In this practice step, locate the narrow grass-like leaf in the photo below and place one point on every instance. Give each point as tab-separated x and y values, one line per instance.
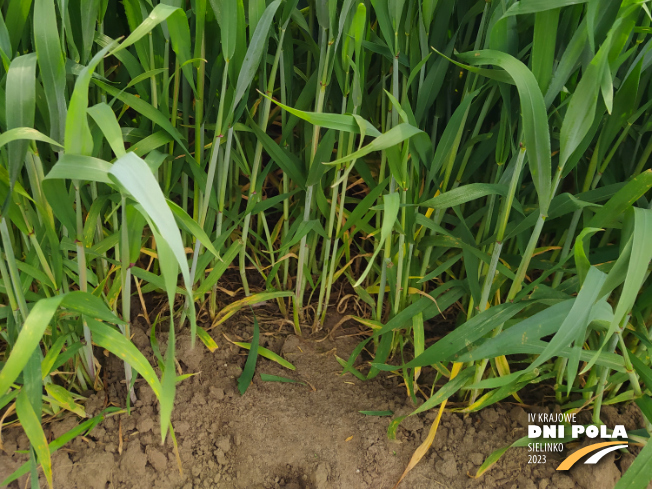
536	6
81	167
59	442
32	427
645	405
64	399
391	138
582	106
445	392
78	139
244	381
168	384
462	195
469	332
146	109
637	268
638	474
533	111
234	307
377	413
265	353
37	321
105	119
226	13
115	342
391	202
51	64
15	19
254	52
278	378
339	122
177	25
26	133
622	200
206	339
192	227
20	106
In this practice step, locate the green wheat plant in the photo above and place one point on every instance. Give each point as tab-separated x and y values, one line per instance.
482	165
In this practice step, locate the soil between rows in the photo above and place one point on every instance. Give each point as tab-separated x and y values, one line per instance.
293	436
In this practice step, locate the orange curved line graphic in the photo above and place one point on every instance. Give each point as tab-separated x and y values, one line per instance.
571	459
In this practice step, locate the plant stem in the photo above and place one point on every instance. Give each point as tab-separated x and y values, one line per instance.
126	289
263	121
83	284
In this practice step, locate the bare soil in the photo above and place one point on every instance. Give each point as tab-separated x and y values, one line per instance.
293	436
